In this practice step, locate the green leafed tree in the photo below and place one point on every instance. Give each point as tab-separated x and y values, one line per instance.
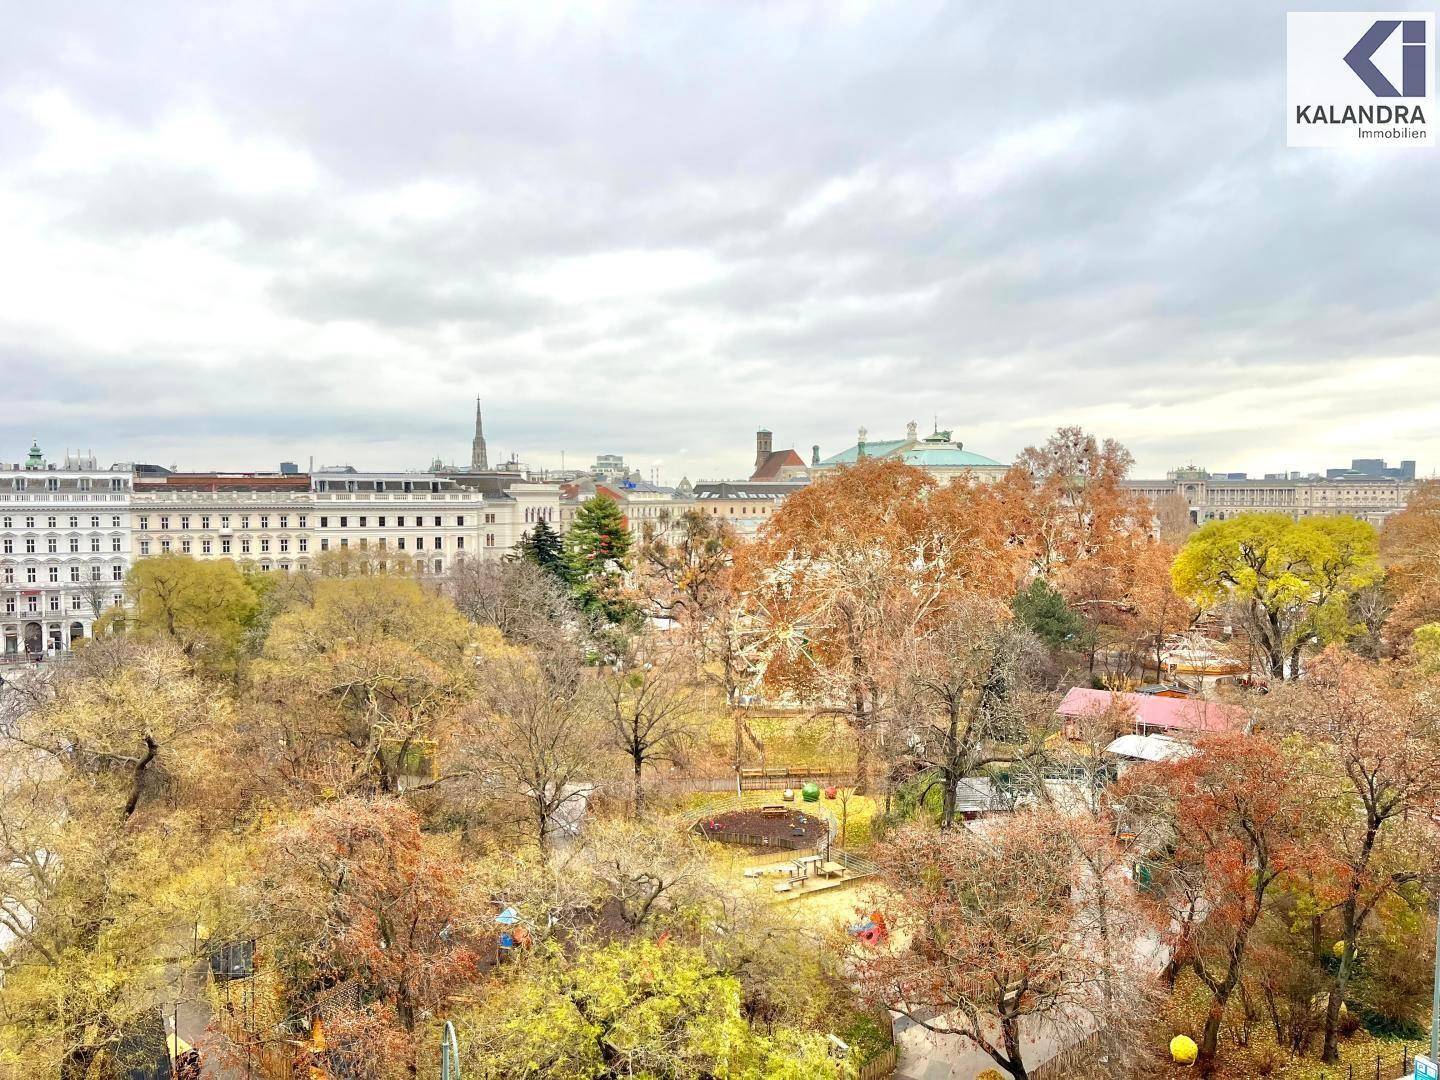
1289	582
597	547
633	1009
1043	611
204	607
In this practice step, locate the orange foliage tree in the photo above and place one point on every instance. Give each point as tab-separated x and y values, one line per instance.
1410	547
1091	538
1222	825
1002	945
851	568
359	899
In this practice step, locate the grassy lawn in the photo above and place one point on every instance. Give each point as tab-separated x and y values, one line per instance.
796	739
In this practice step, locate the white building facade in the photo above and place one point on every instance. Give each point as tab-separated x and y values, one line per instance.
423	518
259	521
1216	498
64	551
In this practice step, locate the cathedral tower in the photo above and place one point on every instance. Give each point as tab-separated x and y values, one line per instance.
478	459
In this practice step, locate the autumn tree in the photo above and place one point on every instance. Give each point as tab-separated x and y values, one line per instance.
527	604
849	569
1001	949
1375	730
1289	581
535	738
1089	537
1223	824
1068	506
1173	518
203	606
375	668
686	571
355	893
1410	547
106	770
648	871
628	1009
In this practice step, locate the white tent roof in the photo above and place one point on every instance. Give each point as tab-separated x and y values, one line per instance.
1149	748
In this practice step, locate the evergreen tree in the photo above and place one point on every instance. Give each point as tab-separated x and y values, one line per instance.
1045	613
596	548
597	536
543	547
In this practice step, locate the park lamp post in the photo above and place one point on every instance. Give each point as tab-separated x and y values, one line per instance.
449	1054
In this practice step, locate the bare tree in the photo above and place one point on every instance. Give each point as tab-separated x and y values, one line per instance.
965	701
523	601
651	713
646	868
536	736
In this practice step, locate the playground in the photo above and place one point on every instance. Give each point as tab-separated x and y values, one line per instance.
776	825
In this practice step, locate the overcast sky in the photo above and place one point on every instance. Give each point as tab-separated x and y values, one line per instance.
239	232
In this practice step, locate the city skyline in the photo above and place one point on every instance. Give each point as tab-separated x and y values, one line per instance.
553	461
280	249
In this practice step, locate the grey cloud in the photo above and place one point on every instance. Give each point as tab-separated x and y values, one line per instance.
1042	209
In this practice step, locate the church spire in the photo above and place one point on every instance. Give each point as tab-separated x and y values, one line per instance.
478	458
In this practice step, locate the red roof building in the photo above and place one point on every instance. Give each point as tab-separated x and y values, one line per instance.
1156	715
772	464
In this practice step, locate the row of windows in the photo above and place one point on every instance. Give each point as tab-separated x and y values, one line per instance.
380	521
744	510
227	545
52	521
143	521
31	605
343	520
266	566
52	545
32	574
263	546
382	544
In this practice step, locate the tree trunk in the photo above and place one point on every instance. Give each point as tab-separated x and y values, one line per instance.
947	798
952	770
638	796
1330	1053
1210	1039
1010	1030
138	782
76	1063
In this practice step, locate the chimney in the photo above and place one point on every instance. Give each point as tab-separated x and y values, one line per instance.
815	454
860	444
762	447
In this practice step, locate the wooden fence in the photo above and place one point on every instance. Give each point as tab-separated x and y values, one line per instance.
1064	1063
883	1063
